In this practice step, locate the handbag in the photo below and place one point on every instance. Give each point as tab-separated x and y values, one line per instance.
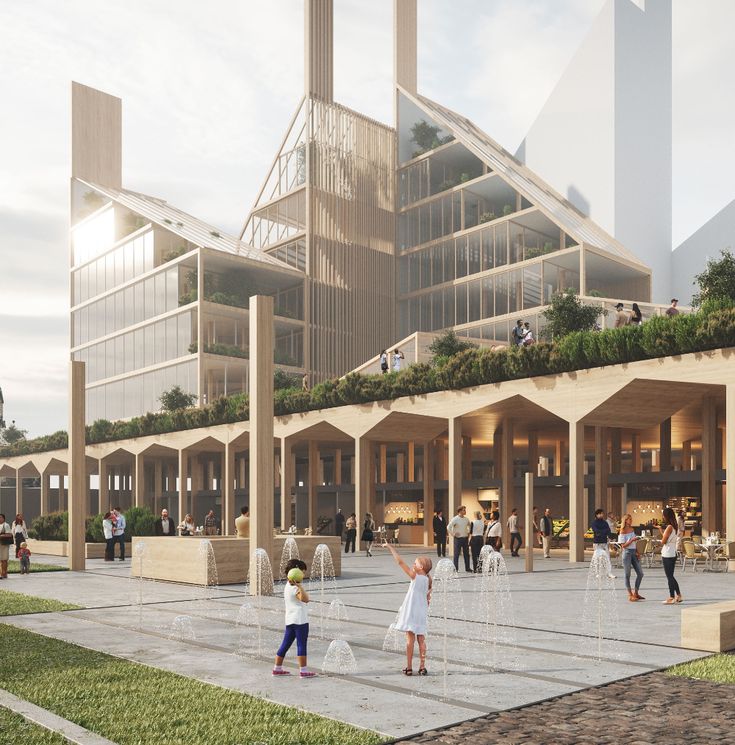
6	539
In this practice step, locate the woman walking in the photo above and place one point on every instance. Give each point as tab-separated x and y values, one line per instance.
368	533
6	541
631	561
669	536
413	616
495	531
636	317
20	532
477	529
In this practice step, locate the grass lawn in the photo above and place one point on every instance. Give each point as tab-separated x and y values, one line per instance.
719	668
14	729
14	567
157	706
17	604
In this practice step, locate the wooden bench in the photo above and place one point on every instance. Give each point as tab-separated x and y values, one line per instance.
709	627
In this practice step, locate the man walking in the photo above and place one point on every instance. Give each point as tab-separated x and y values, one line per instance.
165	525
518	334
440	533
351	525
515	532
339	524
118	533
547	528
210	523
459	529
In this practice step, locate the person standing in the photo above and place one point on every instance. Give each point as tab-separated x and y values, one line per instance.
20	532
611	522
515	532
672	310
600	537
350	535
397	359
477	531
459	529
547	528
518	334
440	533
118	532
107	524
384	362
164	525
621	317
210	523
669	536
631	561
536	530
495	531
242	523
527	335
339	524
368	533
636	317
6	541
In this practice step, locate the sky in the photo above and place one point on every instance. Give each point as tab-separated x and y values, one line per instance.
208	90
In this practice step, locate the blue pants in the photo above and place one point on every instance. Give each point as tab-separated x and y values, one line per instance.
121	540
298	631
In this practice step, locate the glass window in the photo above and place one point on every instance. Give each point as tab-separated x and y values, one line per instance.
425	262
461	304
532	286
473	253
488	297
501	245
501	294
515	291
414	272
437	268
159	293
488	250
473	297
172	338
437	311
449	268
516	243
461	251
94	236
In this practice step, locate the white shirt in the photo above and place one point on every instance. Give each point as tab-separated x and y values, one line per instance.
495	530
513	523
459	526
478	528
107	529
296	611
22	529
397	361
611	523
668	550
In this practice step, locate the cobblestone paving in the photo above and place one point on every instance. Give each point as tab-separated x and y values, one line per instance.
653	709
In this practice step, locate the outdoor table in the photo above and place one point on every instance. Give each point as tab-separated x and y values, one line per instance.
710	548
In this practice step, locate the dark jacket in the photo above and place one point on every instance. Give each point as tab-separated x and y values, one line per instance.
546	525
159	527
440	529
601	530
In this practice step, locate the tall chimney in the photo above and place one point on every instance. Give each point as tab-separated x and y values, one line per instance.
319	49
404	44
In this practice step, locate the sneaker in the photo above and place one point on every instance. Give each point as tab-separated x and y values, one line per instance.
281	672
307	674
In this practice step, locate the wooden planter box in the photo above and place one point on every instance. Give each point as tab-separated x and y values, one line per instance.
61	548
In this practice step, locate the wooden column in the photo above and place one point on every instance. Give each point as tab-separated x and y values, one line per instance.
529	522
602	499
412	461
287	481
183	479
730	464
686	455
18	492
103	496
228	491
77	467
709	449
338	467
533	452
466	458
312	483
497	453
139	481
635	447
383	463
576	492
157	485
616	492
559	458
507	492
664	430
400	467
363	477
45	487
455	466
261	428
429	505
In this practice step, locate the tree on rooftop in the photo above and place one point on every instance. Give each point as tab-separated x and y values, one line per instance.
717	281
175	399
567	313
449	344
12	434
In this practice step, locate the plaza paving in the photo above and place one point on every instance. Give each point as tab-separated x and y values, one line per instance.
548	652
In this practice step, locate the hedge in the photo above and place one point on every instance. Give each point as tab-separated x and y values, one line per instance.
713	327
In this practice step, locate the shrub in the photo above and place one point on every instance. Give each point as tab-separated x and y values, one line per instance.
449	344
53	526
567	314
139	521
717	281
175	398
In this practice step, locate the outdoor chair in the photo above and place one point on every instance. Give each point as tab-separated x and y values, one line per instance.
721	558
652	551
394	538
691	556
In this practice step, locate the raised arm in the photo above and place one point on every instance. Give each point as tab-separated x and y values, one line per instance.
401	563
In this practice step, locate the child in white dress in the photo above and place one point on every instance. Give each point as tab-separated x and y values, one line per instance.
413	617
